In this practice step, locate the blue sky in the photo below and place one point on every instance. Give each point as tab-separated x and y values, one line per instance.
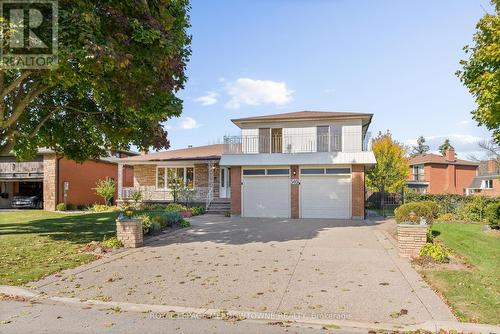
395	59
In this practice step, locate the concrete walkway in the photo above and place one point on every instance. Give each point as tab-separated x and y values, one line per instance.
312	268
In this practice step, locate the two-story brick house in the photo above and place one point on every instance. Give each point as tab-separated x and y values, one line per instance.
295	165
436	174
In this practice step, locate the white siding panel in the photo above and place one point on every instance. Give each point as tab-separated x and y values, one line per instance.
352	138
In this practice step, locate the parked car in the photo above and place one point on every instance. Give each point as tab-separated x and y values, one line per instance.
26	202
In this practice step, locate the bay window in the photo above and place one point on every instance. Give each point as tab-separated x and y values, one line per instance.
166	177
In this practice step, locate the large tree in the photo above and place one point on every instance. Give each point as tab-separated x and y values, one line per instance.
421	147
120	65
446	145
391	171
481	72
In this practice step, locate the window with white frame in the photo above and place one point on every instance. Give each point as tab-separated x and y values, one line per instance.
166	177
487	184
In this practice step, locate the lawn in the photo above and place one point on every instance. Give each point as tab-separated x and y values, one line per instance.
37	243
474	294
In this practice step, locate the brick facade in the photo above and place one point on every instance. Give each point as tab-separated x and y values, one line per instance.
295	193
358	191
145	179
236	190
129	232
50	181
411	238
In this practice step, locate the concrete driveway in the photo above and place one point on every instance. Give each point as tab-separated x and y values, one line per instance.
325	268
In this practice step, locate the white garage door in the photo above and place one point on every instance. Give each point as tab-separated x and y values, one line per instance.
266	196
325	196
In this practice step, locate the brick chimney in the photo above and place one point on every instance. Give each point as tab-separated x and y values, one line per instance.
492	166
450	154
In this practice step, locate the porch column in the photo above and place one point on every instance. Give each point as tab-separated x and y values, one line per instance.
120	180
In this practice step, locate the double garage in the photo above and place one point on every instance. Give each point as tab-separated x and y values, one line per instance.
324	192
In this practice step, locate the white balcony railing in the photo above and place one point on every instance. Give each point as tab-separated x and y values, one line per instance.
296	143
153	194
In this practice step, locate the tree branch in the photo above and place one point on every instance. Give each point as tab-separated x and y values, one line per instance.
20	107
14	84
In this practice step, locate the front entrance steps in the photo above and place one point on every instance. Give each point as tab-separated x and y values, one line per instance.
219	206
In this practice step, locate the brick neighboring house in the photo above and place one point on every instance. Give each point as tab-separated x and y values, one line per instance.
55	179
305	164
487	182
437	174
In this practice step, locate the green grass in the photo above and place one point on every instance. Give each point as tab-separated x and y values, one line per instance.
474	294
37	243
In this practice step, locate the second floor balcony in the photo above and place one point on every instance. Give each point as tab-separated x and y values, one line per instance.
295	143
21	170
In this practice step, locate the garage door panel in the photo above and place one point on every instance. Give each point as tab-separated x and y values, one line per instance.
325	197
266	196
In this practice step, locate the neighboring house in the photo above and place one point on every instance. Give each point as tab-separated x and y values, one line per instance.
487	182
197	167
55	179
295	165
436	174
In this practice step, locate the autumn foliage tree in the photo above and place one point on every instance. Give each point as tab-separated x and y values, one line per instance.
120	65
481	72
391	171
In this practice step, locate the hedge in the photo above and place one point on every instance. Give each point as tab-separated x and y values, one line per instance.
420	209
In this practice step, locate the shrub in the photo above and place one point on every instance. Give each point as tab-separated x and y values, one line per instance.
173	217
197	210
153	207
106	189
175	207
155	227
435	251
421	210
474	210
146	223
448	203
227	214
61	207
112	243
71	207
82	207
446	217
184	223
101	208
433	206
492	214
162	220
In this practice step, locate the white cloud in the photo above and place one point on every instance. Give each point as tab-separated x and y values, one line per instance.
188	123
330	90
207	100
464	122
255	92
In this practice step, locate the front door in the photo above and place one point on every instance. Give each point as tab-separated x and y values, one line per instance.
225	182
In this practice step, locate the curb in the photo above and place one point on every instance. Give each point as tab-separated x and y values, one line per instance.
432	326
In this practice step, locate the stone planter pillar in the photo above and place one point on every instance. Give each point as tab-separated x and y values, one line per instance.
129	232
411	238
